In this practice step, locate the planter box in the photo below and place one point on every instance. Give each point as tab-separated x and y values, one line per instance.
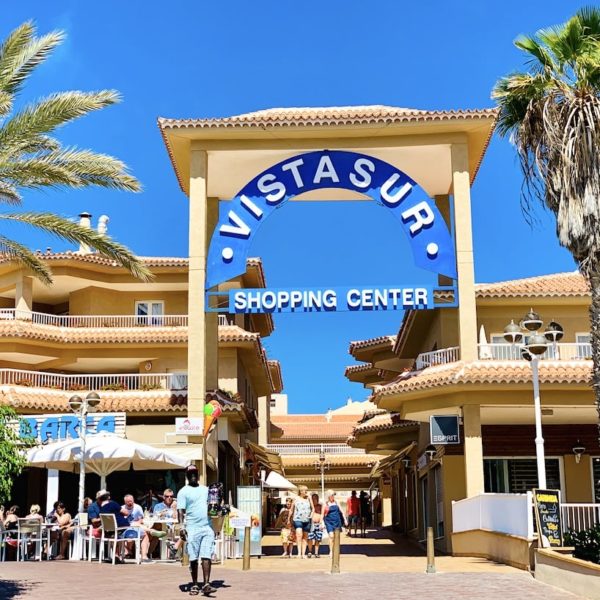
558	568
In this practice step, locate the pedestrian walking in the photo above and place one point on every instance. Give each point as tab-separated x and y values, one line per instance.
192	507
366	516
283	523
333	517
315	535
301	512
353	513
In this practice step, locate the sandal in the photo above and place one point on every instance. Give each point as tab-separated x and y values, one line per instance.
207	589
194	589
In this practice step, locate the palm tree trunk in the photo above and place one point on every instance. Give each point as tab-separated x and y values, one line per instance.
594	280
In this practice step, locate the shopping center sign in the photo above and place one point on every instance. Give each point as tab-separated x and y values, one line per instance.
430	240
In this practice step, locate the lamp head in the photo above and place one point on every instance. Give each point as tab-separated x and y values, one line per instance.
406	462
537	344
578	450
513	333
531	321
554	332
92	400
75	403
431	451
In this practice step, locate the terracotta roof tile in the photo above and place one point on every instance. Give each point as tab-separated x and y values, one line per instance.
382	340
554	285
336	430
381	422
150	261
276	376
333	115
24	398
335	460
487	372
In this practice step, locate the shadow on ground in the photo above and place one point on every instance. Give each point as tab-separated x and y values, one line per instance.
13	589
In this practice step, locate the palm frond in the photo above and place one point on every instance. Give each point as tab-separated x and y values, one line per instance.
9	193
75	233
46	115
21	53
22	255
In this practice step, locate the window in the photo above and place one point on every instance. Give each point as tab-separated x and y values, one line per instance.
584	347
149	312
518	475
273	402
596	476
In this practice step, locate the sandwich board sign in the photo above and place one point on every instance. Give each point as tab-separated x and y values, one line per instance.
444	430
547	516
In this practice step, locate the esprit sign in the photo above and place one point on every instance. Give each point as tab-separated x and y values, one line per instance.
430	241
444	429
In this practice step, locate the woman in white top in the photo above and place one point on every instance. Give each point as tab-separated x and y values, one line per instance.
300	517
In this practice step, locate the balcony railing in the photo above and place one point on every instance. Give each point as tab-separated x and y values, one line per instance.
559	351
437	357
96	382
578	517
290	449
98	321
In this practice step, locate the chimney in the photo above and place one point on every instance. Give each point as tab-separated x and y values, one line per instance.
85	220
103	224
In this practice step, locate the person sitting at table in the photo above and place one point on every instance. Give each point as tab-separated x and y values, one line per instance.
10	523
135	516
34	513
63	532
165	510
51	516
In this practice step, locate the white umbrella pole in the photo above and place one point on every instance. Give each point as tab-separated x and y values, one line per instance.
83	432
102	482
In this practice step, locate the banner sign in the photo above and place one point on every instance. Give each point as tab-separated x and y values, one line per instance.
189	425
444	429
249	502
52	428
329	299
430	241
547	515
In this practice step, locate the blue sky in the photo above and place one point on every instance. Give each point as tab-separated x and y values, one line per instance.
203	59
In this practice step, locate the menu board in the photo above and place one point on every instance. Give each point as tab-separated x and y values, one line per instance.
547	516
249	500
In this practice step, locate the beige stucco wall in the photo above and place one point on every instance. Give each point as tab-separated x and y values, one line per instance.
500	547
577	479
454	484
102	301
565	572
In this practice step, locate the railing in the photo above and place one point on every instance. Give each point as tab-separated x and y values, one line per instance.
313	449
559	351
505	513
437	357
96	382
577	517
97	321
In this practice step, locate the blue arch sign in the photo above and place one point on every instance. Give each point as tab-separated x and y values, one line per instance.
431	244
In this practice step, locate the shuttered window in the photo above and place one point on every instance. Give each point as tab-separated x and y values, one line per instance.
596	467
518	475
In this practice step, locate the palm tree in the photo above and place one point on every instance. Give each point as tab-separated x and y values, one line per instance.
30	157
552	114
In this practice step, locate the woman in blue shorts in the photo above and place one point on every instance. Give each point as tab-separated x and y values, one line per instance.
301	513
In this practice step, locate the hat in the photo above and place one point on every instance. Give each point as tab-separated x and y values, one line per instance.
191	468
101	493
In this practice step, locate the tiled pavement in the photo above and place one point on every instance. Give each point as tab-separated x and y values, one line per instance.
375	568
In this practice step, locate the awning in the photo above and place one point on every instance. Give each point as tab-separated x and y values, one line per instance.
267	458
277	481
389	461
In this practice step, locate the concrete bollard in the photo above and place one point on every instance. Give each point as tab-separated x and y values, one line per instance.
335	551
430	551
246	564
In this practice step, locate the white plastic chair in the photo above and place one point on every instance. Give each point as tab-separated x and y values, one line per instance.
110	535
4	535
29	531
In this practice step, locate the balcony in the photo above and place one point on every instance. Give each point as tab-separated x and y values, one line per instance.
300	449
93	321
141	382
505	352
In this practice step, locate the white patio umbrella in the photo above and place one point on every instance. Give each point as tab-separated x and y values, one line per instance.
104	454
485	351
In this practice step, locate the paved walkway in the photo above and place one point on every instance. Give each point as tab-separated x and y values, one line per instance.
375	567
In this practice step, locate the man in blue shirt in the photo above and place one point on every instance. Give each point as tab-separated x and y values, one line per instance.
192	505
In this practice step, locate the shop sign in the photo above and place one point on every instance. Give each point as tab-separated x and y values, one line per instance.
239	519
430	241
371	298
52	428
444	430
547	514
189	426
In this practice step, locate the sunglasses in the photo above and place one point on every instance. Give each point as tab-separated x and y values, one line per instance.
167	496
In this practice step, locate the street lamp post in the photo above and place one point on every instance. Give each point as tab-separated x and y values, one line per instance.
82	407
322	465
535	346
